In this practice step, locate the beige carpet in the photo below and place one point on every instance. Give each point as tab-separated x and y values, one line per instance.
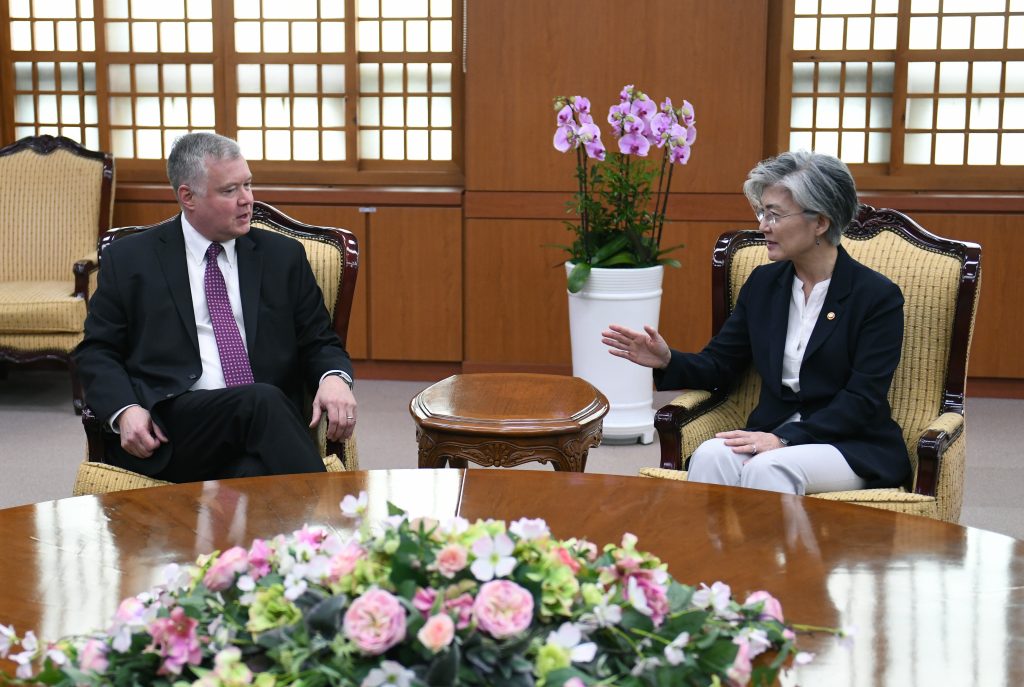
41	444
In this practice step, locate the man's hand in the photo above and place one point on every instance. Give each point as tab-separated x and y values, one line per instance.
140	436
645	348
335	400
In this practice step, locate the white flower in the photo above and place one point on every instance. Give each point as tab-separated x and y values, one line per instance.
390	674
352	507
454	525
716	596
637	597
122	638
246	583
529	529
569	637
294	587
674	651
803	658
29	641
604	614
24	661
176	577
57	656
756	639
644	664
493	557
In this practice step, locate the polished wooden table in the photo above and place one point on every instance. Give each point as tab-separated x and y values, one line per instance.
933	603
507	419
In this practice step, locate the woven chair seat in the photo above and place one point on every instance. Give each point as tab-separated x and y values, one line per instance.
40	307
896	499
100	478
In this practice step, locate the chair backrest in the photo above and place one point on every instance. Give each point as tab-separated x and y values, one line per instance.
56	198
333	254
940	279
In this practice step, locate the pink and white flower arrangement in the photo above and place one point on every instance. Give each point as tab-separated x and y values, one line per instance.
418	603
621	208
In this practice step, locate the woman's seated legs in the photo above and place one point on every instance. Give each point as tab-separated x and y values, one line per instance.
806	469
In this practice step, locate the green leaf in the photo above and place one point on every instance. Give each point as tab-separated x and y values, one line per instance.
610	248
578	276
670	262
623	258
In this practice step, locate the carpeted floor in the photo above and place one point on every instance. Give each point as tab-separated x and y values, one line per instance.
41	444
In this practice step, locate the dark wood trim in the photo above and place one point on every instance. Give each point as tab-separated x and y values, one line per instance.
993	387
404	370
442	196
473	367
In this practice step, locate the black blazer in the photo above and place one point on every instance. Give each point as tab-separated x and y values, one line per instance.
845	375
141	344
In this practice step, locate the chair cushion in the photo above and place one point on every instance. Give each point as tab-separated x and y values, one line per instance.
100	478
40	307
897	500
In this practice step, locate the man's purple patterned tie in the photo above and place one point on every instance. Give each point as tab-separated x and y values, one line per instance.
234	359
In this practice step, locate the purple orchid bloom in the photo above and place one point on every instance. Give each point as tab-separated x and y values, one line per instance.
565	138
632	124
679	155
595	150
691	134
643	107
589	132
666	106
580	104
634	144
565	116
686	113
661	123
626	93
586	118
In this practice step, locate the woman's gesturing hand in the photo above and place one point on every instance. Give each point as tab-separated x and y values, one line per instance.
645	348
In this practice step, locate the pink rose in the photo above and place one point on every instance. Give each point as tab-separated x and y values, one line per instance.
566	558
93	656
259	559
375	622
344	562
130	612
771	608
654	593
222	573
503	608
437	632
451	559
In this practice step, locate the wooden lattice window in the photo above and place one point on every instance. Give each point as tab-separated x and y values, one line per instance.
912	93
362	91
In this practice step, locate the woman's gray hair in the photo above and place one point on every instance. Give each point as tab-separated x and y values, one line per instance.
187	162
818	183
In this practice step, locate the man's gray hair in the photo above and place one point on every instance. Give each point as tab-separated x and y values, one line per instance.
187	162
818	183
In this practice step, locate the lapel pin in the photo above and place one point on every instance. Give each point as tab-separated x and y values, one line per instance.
831	316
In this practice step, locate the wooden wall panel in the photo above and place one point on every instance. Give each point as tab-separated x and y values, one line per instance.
349	218
415	279
999	325
522	54
516	307
129	214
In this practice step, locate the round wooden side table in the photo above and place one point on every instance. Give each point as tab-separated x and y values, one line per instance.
507	419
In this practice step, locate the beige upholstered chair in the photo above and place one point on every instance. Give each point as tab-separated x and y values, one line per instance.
334	256
56	197
940	279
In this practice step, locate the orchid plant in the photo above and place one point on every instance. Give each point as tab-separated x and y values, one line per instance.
418	602
622	197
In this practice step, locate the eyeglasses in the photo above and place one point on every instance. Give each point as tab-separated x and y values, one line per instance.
772	217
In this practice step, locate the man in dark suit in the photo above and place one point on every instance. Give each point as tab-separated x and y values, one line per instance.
204	334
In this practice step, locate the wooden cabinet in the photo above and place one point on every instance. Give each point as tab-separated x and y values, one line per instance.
414	278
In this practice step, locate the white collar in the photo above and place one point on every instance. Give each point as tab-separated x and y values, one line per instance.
196	244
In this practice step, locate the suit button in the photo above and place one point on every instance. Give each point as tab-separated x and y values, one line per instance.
193	376
169	396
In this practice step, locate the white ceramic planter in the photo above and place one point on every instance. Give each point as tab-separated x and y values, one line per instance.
630	297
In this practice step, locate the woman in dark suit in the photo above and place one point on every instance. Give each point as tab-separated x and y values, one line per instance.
823	331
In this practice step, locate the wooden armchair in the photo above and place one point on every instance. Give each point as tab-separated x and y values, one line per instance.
56	197
334	256
940	279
